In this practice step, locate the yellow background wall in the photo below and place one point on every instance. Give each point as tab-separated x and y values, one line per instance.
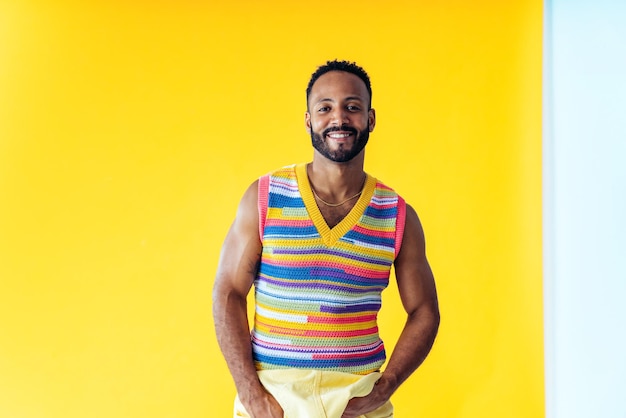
129	130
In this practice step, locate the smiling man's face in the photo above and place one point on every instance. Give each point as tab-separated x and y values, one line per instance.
339	118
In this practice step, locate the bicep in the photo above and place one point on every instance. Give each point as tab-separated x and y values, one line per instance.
416	283
241	251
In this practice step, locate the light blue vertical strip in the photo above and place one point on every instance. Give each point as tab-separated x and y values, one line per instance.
585	208
548	212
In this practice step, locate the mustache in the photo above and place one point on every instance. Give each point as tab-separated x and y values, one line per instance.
344	128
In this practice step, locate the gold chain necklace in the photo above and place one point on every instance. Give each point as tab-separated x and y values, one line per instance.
334	205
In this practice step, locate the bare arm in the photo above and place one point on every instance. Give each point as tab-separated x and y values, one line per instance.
416	285
238	264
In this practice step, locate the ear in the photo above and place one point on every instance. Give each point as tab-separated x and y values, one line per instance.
372	119
307	121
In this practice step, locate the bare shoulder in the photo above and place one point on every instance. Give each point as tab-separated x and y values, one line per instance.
247	212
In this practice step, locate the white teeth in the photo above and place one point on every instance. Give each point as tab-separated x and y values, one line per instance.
338	136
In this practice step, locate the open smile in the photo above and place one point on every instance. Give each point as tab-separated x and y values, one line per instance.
339	135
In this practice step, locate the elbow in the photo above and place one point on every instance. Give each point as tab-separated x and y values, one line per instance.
217	295
430	318
219	298
435	316
225	298
436	321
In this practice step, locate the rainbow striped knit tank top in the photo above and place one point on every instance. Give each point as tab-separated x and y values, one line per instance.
318	290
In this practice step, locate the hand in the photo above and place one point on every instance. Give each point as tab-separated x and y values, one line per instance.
361	406
380	394
265	407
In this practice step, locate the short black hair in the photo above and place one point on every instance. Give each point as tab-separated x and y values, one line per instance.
336	65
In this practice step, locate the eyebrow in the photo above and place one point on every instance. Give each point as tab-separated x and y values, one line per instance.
349	98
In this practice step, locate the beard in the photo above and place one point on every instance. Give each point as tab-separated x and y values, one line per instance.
343	154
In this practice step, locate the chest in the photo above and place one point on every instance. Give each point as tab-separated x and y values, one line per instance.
334	215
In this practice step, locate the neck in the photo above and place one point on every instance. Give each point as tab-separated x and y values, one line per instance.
336	181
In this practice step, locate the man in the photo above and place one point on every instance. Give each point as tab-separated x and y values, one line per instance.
317	241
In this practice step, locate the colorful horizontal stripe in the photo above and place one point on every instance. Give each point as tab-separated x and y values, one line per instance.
318	290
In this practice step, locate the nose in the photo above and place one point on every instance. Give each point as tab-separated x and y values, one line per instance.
339	116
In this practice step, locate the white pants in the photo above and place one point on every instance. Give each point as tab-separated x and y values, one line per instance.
316	394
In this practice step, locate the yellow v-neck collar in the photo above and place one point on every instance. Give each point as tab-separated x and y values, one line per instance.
331	235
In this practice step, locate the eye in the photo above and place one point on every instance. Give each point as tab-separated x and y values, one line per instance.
353	108
323	109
